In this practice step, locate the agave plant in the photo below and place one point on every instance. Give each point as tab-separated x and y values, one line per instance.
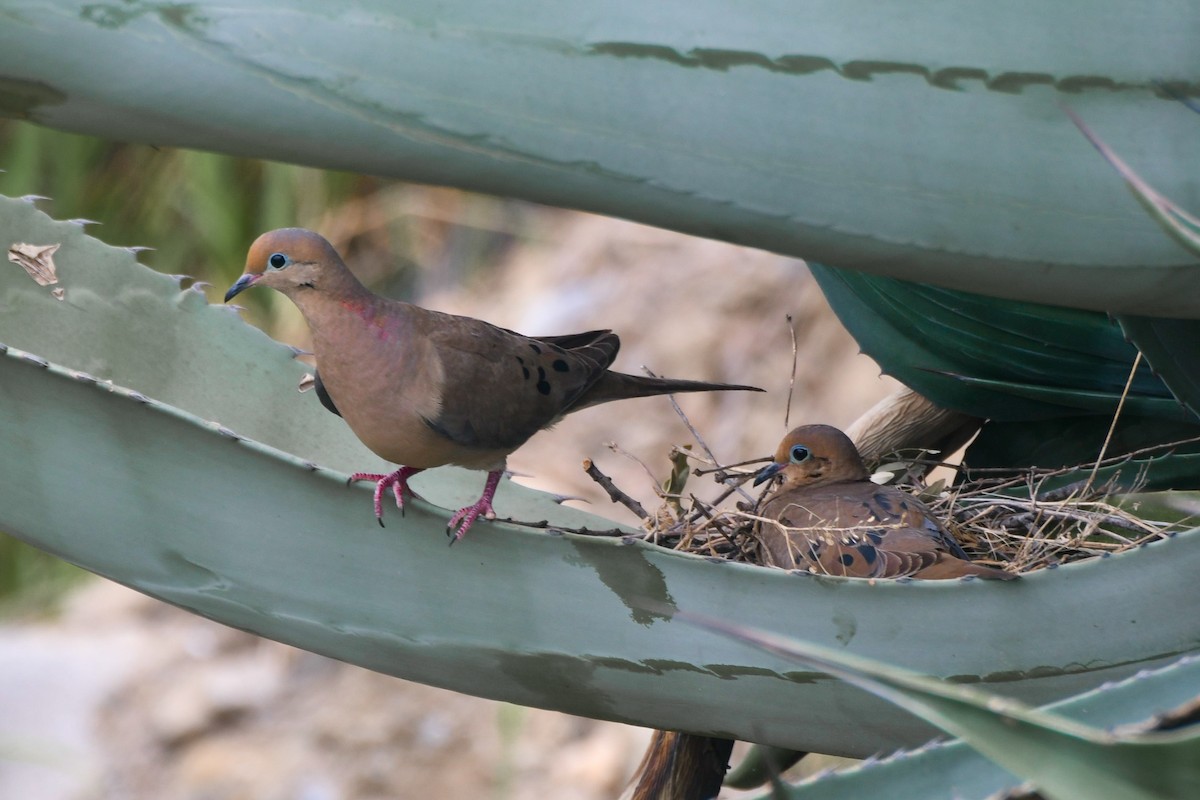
909	143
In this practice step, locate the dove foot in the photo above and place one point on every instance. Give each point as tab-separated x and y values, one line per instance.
464	518
398	481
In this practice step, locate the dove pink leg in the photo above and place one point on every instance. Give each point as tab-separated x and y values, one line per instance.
397	480
467	516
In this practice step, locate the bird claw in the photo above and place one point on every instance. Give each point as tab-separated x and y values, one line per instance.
397	481
464	518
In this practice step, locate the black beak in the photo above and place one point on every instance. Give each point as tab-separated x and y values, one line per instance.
243	283
768	472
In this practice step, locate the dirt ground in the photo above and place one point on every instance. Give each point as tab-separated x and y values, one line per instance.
123	697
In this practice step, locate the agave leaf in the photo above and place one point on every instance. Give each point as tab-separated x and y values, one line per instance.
1078	441
1021	361
1064	758
1050	379
904	141
198	485
1177	222
956	771
1172	347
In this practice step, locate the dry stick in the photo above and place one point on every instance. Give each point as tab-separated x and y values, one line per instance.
699	471
696	434
616	448
614	494
787	409
1111	428
544	525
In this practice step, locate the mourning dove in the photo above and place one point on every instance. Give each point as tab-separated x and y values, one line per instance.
833	520
423	389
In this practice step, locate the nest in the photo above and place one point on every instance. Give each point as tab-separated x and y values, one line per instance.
1008	522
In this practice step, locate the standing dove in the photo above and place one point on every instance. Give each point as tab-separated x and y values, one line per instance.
423	389
833	520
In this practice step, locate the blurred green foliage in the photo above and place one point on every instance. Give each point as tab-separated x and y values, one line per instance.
200	211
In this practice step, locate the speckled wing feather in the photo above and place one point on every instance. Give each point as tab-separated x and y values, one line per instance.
862	530
501	387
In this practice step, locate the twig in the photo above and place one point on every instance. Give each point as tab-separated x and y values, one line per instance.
787	409
614	494
695	433
616	448
698	471
1116	416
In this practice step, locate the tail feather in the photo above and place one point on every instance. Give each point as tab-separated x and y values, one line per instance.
620	386
682	766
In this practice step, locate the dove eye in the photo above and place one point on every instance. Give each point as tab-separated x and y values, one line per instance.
799	453
277	261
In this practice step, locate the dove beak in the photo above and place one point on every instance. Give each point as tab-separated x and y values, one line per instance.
768	472
243	283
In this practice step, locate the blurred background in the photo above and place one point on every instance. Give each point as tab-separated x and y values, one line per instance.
107	694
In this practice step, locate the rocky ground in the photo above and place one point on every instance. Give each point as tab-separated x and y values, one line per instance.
120	696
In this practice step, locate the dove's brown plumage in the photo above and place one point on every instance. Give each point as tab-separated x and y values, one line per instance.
835	521
424	389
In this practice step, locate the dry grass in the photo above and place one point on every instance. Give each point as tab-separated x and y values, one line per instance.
1011	522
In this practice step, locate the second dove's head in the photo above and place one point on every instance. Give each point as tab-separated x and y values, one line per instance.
814	454
289	260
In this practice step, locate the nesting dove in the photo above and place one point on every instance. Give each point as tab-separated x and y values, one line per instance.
424	389
833	520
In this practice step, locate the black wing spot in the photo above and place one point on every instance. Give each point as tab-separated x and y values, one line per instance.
885	502
525	371
560	365
847	559
868	553
535	348
543	386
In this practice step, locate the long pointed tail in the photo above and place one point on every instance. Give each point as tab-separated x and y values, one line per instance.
619	386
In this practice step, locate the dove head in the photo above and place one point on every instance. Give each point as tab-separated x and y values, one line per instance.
812	455
293	260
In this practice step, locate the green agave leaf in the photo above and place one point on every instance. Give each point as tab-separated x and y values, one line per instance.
1177	222
1064	758
1049	378
198	484
1079	400
1056	443
956	771
1172	346
903	141
993	358
1178	507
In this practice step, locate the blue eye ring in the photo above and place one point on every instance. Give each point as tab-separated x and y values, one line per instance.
277	261
799	453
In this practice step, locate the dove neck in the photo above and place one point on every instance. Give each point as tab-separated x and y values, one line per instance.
330	289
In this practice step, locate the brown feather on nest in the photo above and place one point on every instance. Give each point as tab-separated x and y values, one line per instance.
998	521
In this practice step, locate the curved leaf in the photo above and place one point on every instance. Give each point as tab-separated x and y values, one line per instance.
1049	378
904	141
1172	348
1048	746
182	505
